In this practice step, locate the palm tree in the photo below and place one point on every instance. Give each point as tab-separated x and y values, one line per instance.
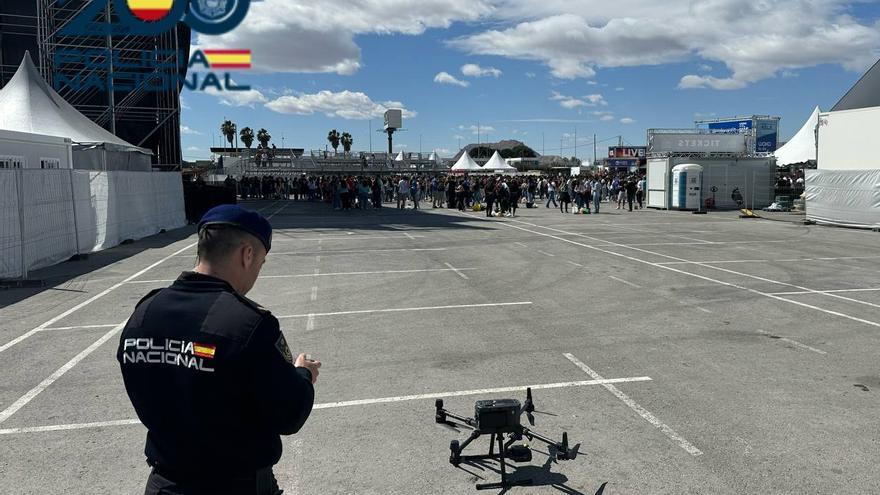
264	137
333	137
347	141
228	129
247	136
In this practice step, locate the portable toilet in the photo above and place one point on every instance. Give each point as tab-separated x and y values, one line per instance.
687	182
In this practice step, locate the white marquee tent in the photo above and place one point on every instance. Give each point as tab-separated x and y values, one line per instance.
28	104
498	165
802	147
466	164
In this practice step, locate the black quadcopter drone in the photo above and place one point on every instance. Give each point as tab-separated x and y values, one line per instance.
499	418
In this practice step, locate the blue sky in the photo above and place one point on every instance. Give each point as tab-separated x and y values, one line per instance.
548	69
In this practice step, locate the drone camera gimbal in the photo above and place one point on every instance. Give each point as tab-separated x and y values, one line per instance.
498	418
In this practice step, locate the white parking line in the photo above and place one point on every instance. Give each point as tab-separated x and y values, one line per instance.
833	291
793	342
792	260
81	327
327	274
457	272
29	396
575	264
641	411
441	395
347	238
545	253
90	300
350	403
402	310
624	282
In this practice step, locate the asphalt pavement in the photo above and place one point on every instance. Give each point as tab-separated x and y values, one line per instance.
683	353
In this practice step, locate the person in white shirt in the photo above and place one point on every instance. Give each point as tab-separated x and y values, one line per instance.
402	192
551	194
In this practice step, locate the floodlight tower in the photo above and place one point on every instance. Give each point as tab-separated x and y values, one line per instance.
393	122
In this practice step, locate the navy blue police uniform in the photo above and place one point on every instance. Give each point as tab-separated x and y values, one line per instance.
212	378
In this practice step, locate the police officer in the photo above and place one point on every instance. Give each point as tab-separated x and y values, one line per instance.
209	371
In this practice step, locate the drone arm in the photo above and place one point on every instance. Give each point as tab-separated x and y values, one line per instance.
562	445
442	416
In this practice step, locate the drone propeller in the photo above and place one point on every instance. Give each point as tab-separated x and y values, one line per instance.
529	408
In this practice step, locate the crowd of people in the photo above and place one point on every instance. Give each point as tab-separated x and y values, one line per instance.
496	195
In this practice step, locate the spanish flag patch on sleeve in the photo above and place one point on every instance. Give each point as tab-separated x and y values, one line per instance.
204	350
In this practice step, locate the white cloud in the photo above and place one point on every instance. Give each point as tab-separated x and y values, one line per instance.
344	104
186	130
627	120
530	75
575	42
570	102
458	136
596	99
447	78
193	148
184	105
441	151
309	36
699	82
247	98
483	129
619	88
474	70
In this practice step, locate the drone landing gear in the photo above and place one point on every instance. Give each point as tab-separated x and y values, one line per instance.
505	451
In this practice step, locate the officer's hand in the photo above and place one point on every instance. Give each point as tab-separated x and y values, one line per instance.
311	365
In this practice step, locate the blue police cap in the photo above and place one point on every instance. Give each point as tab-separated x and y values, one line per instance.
236	216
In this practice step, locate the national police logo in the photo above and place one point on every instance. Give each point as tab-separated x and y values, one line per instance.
216	16
284	349
214	9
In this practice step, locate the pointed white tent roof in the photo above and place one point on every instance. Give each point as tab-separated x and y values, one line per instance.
466	164
802	147
432	157
28	104
498	164
400	157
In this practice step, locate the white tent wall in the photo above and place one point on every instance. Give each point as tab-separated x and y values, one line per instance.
844	197
846	138
65	212
127	205
10	225
109	157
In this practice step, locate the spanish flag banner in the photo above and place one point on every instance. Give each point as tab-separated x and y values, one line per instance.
150	10
204	350
229	59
